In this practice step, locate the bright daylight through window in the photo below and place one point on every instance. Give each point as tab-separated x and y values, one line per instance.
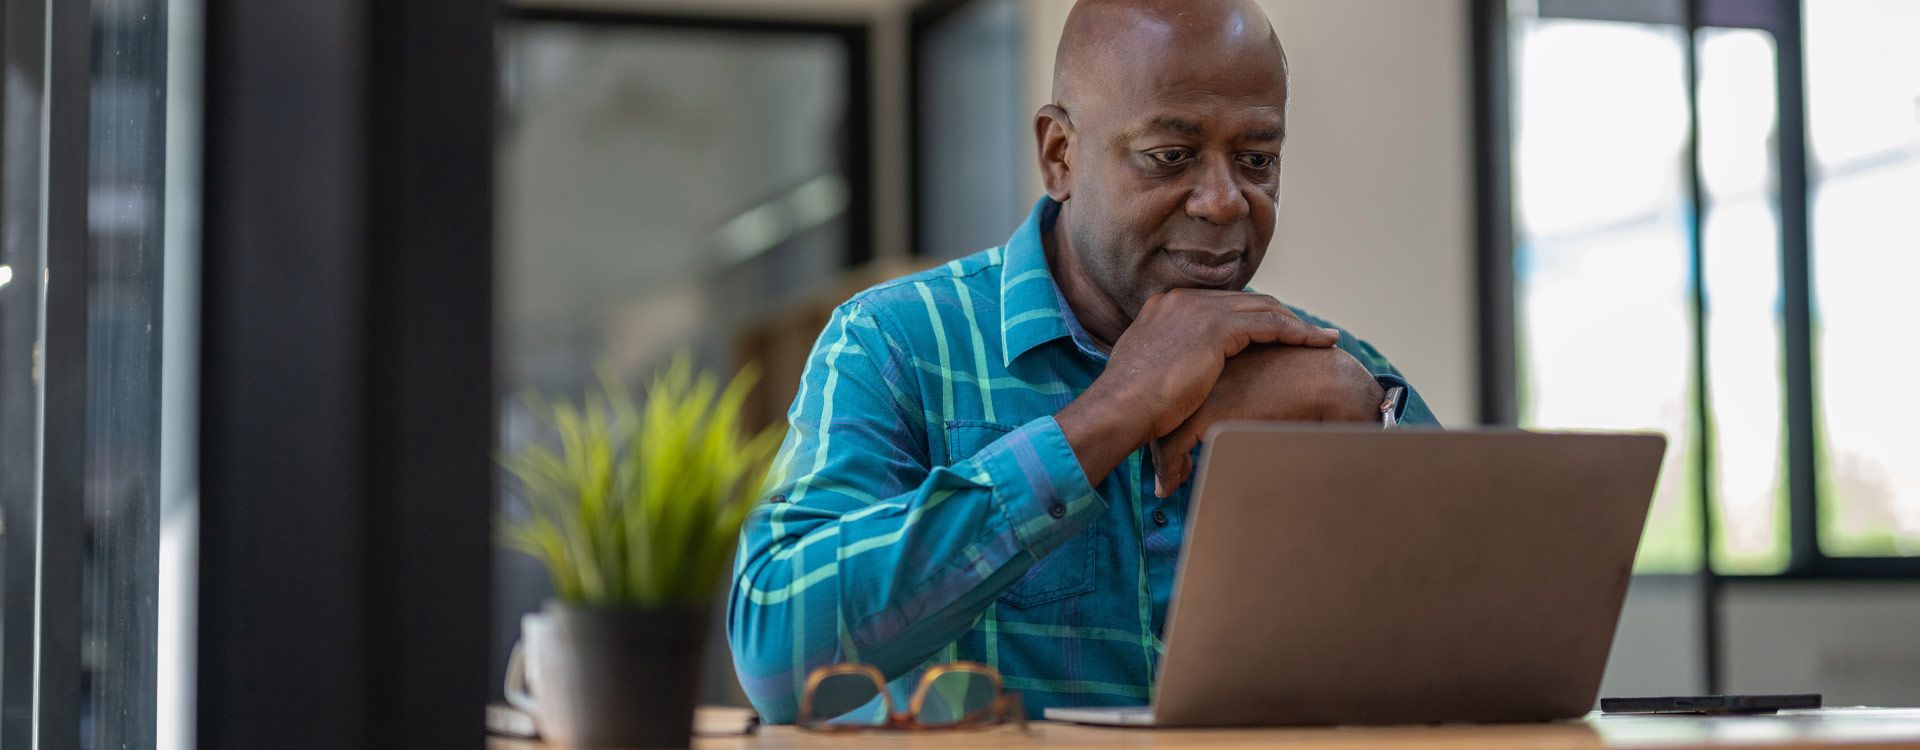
1606	313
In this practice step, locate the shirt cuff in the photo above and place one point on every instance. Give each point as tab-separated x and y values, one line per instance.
1039	488
1387	383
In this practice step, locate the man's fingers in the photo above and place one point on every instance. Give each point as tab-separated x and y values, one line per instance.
1269	321
1166	469
1280	327
1163	484
1173	458
1256	302
1250	317
1159	466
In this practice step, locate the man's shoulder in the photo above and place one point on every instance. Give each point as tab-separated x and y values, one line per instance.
906	299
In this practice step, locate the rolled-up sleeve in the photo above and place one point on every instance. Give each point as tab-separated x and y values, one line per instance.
865	552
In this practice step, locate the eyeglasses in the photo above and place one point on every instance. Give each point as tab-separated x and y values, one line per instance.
959	695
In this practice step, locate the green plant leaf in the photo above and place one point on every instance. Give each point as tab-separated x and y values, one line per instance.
640	503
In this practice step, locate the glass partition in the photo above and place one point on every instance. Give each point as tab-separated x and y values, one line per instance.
669	185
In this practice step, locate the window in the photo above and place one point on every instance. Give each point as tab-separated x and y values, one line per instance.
667	182
1712	236
1863	143
1599	127
972	134
81	290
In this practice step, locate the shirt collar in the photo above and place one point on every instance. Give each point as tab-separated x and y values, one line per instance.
1032	310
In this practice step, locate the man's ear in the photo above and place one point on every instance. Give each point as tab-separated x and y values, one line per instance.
1053	133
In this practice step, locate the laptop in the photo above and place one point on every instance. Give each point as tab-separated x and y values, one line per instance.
1354	576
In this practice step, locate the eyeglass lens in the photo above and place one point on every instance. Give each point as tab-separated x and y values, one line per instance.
848	699
956	697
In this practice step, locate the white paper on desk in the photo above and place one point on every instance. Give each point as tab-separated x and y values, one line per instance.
1856	712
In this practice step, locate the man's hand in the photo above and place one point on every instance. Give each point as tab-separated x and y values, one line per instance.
1166	363
1271	382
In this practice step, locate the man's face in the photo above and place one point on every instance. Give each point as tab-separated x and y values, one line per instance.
1177	174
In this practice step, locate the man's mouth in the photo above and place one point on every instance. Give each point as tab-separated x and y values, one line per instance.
1206	268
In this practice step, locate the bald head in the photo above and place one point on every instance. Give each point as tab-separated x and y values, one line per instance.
1162	145
1113	40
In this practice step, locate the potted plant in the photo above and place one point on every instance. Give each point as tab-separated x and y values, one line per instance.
635	514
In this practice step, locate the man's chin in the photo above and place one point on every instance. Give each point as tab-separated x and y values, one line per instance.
1230	276
1164	283
1235	284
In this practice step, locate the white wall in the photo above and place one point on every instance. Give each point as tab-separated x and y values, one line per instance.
1657	647
1376	213
1856	642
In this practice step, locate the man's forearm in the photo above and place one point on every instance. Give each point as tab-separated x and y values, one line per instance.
823	578
1101	432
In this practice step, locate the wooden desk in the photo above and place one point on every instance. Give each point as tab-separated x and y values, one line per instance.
1832	728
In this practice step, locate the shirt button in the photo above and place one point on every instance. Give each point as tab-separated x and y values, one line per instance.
1159	518
1057	510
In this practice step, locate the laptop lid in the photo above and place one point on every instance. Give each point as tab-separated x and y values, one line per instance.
1355	576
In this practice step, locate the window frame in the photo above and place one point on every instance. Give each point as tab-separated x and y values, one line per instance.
856	37
1498	366
1494	222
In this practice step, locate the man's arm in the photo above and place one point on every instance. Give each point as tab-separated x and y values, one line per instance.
865	553
1413	409
1342	384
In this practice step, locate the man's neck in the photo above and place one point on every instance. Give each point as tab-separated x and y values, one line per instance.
1097	313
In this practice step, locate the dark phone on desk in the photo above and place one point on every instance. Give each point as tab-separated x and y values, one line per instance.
1709	704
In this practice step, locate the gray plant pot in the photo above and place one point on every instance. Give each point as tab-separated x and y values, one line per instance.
633	674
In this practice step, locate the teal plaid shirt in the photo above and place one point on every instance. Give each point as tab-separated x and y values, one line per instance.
932	510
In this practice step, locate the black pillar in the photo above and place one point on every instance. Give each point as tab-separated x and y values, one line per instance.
346	374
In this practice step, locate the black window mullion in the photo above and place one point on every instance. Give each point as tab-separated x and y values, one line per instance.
1651	12
1493	217
1765	15
1797	293
1704	489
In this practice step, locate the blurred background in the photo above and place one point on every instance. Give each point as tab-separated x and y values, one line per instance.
1696	217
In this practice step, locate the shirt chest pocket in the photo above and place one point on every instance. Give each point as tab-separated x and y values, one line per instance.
1067	571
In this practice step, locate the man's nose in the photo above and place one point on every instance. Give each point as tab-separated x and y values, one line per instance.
1216	196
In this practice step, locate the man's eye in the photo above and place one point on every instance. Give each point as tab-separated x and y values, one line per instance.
1258	161
1170	158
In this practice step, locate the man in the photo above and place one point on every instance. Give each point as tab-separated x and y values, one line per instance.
990	460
